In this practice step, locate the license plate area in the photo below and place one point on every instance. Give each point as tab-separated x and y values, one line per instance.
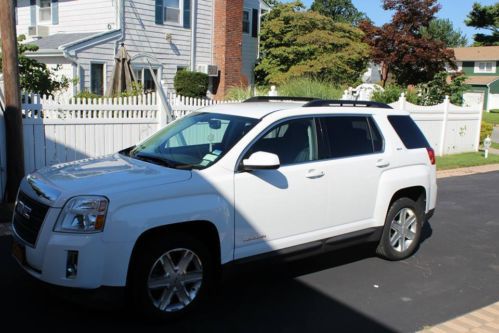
19	252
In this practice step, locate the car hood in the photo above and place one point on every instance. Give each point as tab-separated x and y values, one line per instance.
97	176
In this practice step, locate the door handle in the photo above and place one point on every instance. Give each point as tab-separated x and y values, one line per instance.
312	174
382	164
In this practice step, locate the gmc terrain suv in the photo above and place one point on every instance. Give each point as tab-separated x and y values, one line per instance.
225	184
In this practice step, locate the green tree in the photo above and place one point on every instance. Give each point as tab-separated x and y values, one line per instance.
296	43
434	91
485	17
339	10
400	47
34	76
444	31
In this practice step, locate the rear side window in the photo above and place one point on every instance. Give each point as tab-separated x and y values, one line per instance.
409	132
351	136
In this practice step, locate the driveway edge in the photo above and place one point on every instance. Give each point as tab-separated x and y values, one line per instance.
484	320
467	171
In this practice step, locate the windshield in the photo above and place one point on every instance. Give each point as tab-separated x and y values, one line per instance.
196	141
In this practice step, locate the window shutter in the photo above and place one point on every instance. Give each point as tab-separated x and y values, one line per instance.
187	14
160	12
32	9
55	12
254	23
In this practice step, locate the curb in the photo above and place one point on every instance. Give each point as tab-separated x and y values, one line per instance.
467	171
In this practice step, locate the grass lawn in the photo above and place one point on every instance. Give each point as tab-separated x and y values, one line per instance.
495	145
465	160
490	117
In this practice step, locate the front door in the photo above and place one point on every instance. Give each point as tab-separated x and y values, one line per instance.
276	208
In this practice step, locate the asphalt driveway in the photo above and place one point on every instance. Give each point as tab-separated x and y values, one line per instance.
456	270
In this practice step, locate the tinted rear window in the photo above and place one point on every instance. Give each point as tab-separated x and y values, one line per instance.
351	136
409	132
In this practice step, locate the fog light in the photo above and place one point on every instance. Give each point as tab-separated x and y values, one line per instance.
72	265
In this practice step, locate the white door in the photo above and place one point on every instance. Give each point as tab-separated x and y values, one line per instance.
275	208
357	161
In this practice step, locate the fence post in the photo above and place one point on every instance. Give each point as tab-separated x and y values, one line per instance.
402	102
479	129
272	91
444	126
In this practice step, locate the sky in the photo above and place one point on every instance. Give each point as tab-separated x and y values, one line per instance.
455	10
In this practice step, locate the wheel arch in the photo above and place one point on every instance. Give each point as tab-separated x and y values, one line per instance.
203	230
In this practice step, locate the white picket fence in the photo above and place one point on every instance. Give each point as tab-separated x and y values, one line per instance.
450	129
67	129
63	130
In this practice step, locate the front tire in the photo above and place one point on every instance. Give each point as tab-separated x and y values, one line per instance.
171	276
402	231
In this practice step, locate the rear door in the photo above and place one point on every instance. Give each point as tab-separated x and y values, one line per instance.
356	161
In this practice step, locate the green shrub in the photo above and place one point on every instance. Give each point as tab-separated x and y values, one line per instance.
485	131
391	94
494	111
309	87
191	84
87	94
242	93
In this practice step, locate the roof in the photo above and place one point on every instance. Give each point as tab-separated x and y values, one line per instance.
259	110
481	80
476	53
53	42
251	110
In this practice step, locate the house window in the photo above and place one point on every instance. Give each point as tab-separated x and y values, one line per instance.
144	77
246	21
172	10
45	11
485	67
97	79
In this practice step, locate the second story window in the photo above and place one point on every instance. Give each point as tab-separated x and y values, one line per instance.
246	21
485	67
45	11
172	10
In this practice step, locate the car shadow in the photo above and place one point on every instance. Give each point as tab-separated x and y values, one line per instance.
263	296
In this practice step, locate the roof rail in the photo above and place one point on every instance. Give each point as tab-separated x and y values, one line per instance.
369	104
257	99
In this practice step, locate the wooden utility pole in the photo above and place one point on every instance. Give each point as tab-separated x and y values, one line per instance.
12	115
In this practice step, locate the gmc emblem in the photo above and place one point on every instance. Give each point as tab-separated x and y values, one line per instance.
23	210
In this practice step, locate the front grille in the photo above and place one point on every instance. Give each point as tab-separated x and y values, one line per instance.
28	227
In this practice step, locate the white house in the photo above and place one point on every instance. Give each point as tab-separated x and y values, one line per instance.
219	37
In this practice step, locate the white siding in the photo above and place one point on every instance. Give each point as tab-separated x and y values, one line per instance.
101	53
204	32
144	36
250	44
74	16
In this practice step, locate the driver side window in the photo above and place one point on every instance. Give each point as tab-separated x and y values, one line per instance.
294	141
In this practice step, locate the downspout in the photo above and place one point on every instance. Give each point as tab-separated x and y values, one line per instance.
193	34
121	24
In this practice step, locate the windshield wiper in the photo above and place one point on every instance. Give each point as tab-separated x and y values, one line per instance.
155	160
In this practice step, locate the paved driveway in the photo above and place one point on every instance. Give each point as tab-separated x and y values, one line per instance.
456	270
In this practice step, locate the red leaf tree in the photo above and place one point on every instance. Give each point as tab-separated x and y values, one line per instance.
401	49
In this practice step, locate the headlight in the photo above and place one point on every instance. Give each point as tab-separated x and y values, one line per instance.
83	215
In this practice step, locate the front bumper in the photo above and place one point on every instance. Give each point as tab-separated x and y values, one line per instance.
99	263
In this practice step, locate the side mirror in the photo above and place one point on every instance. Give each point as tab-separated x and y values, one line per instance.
261	161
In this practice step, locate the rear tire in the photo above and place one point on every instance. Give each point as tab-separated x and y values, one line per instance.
402	230
171	276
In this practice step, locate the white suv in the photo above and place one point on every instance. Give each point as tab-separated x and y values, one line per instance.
227	183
